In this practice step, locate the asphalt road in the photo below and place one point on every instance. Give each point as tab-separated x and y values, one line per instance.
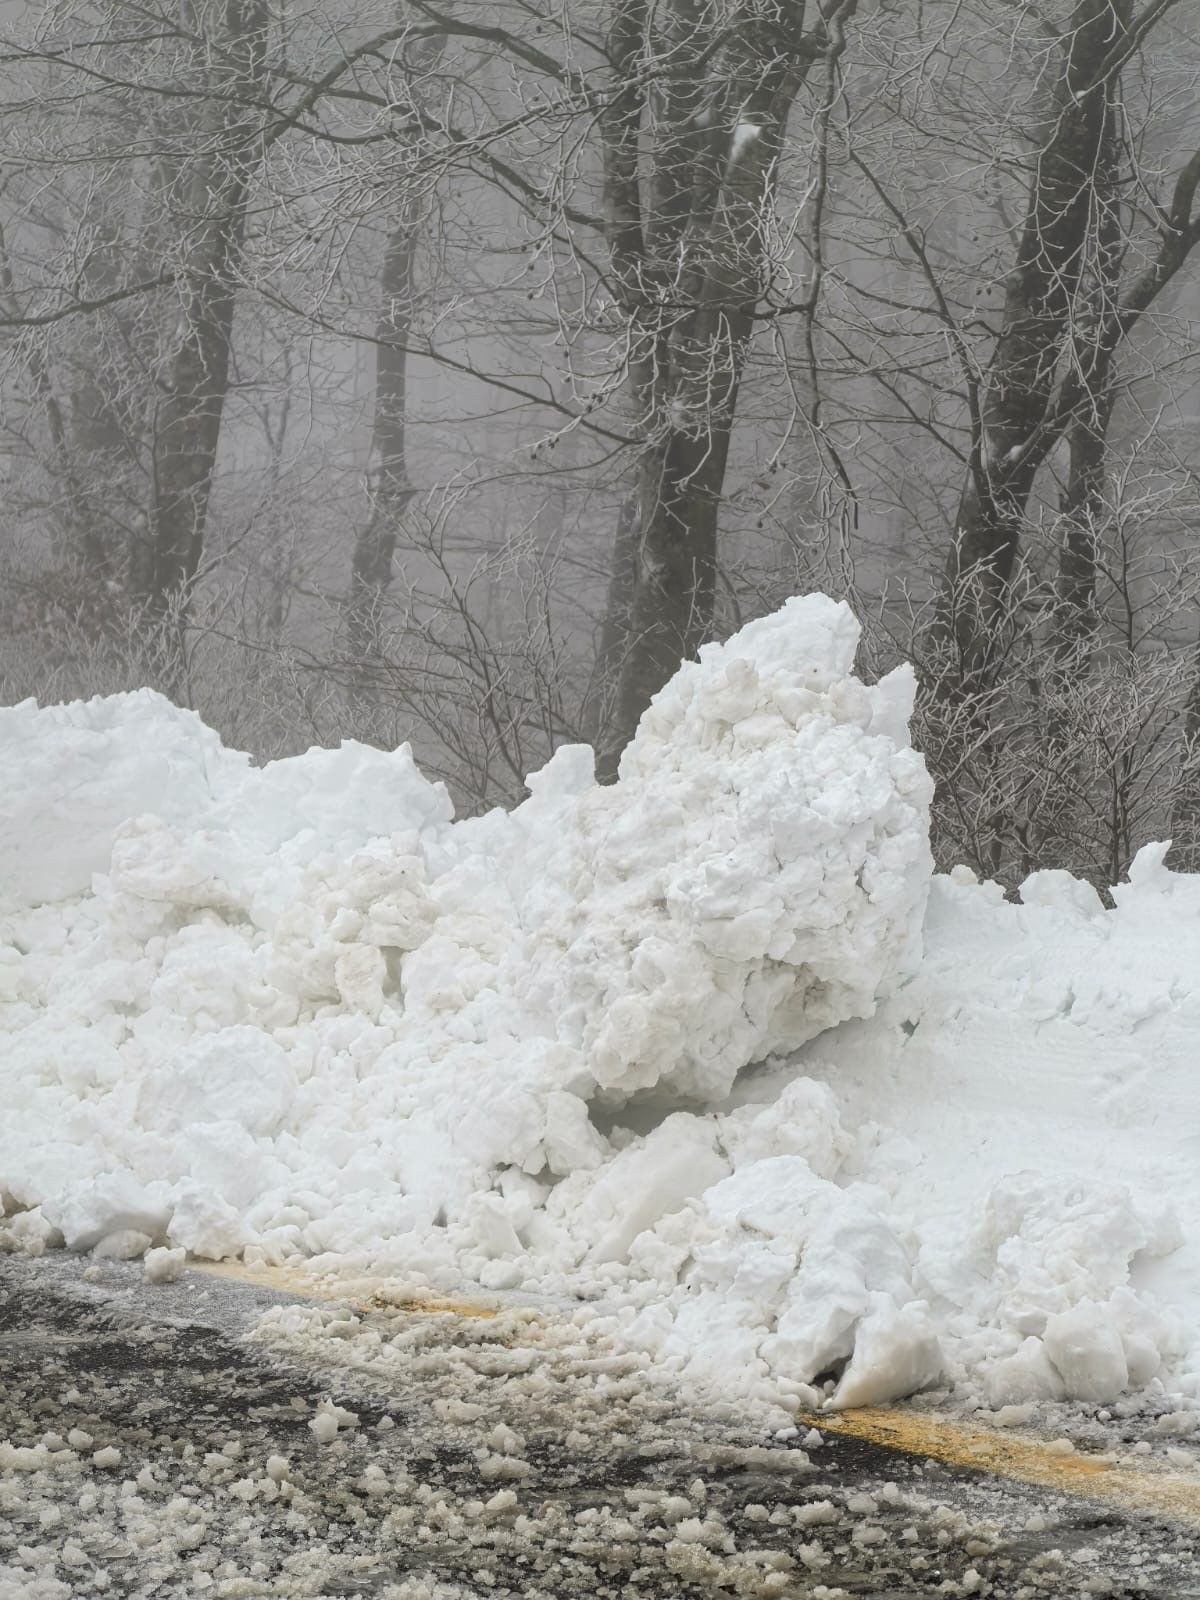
160	1442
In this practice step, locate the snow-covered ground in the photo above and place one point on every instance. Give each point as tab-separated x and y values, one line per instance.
708	1049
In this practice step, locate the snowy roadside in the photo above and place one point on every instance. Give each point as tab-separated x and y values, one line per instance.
708	1051
205	1437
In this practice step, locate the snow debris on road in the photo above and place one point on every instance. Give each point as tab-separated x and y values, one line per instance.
614	1487
670	1046
161	1265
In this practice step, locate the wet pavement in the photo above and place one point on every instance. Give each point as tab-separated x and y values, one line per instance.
216	1438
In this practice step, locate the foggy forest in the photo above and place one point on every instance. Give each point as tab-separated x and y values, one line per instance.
450	370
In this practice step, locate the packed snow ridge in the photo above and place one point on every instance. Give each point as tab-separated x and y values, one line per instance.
670	1046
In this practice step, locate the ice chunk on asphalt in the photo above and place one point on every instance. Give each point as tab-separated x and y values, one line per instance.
1086	1349
896	1352
95	1208
163	1265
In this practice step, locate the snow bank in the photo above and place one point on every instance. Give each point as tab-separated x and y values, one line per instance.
993	1183
670	1046
297	1011
1038	1078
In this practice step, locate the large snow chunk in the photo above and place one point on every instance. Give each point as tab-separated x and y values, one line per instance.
896	1352
204	1225
758	874
1045	1245
646	1182
72	774
235	1074
1086	1348
75	776
91	1209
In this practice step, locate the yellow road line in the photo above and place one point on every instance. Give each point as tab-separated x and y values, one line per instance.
1148	1489
366	1294
1028	1460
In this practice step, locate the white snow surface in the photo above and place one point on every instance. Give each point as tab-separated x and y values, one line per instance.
671	1046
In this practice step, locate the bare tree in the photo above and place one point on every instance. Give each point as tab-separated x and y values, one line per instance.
689	230
391	487
209	195
1063	318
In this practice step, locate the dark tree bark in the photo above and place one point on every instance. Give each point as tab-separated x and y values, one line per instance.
375	547
1030	398
212	192
373	559
1184	854
1040	300
688	250
1083	505
614	626
1083	500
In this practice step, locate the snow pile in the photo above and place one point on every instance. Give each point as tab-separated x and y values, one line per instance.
671	1046
992	1183
297	1012
1039	1076
77	775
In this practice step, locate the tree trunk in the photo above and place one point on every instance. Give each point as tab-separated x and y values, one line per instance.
687	236
1010	441
73	544
1083	501
99	423
1083	506
1184	854
614	627
674	569
375	546
188	423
